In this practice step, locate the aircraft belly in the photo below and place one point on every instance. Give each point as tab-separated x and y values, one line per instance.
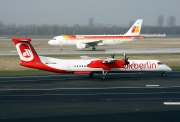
111	42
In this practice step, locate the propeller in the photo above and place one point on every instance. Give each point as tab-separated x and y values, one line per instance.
126	59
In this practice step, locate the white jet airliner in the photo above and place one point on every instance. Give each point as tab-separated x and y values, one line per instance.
85	41
85	65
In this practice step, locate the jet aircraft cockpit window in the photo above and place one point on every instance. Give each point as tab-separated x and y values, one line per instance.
160	63
54	38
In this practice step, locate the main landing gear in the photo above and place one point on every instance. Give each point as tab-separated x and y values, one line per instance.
104	74
91	75
61	49
93	48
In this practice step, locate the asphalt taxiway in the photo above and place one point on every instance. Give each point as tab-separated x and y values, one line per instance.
120	97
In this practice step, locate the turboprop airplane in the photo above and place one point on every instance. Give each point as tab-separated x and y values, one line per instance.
85	65
86	41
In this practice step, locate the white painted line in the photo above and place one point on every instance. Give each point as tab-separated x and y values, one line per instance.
13	51
171	103
152	85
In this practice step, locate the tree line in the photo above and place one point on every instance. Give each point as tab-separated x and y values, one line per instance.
89	29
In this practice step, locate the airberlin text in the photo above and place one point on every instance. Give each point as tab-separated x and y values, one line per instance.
146	65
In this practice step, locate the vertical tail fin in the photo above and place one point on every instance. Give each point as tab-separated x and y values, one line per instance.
135	29
25	50
29	57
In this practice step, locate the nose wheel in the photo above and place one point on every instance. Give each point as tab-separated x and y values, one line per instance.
163	74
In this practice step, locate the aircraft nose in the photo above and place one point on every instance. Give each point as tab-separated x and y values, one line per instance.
168	68
50	42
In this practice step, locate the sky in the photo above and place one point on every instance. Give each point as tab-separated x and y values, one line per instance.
71	12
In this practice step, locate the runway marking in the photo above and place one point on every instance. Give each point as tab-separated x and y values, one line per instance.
171	103
88	94
152	85
51	89
54	89
91	88
13	51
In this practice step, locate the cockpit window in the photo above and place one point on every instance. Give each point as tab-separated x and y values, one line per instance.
54	38
160	63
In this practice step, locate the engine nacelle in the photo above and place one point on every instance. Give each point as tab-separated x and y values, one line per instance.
81	46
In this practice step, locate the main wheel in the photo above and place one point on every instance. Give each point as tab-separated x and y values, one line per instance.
91	75
93	48
103	77
163	74
61	49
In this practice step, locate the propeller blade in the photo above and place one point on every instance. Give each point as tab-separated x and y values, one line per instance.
126	59
112	55
124	56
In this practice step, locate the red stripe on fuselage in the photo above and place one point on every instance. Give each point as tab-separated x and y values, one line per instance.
100	37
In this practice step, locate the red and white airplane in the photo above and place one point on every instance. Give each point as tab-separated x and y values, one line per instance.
85	65
86	41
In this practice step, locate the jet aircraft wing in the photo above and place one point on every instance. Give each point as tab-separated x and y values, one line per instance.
103	60
93	43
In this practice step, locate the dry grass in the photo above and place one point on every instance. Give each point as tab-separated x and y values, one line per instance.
12	62
6	44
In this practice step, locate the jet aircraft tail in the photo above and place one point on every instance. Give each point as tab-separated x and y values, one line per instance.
135	29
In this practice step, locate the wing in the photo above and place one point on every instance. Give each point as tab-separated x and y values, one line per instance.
84	57
103	60
94	43
108	60
87	57
107	64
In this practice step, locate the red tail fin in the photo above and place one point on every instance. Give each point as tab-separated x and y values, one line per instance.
25	50
29	57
